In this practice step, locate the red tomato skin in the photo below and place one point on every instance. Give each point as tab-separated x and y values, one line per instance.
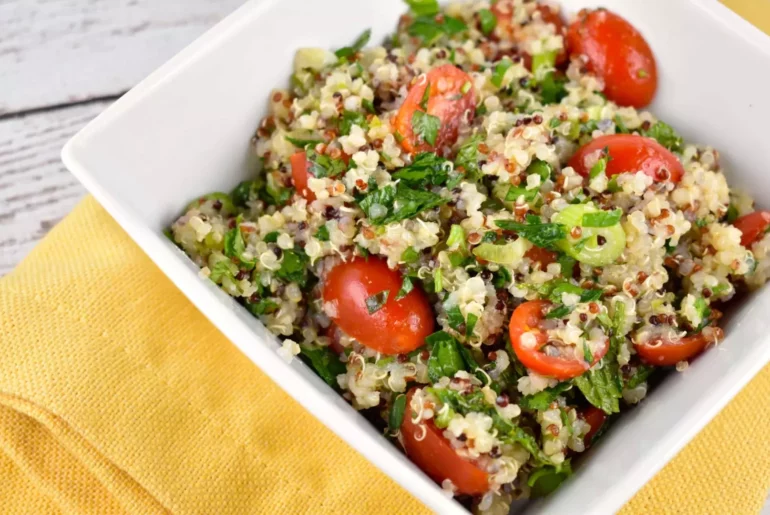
436	457
617	53
630	153
445	101
752	226
595	418
526	318
669	353
399	326
300	175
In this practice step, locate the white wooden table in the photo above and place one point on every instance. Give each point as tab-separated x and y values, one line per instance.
61	63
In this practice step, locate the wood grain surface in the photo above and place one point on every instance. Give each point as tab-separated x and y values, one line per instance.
61	63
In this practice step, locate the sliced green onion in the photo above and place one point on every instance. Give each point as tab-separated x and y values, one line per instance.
508	254
587	248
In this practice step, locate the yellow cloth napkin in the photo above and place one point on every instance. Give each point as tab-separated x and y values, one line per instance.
118	396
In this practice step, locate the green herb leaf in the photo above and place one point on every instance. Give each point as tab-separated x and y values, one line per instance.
602	218
514	192
262	307
732	214
425	97
470	325
321	165
423	7
546	479
455	317
322	233
392	204
543	235
302	143
502	278
235	247
543	60
375	302
600	166
427	169
640	374
271	237
396	415
541	168
445	358
368	105
620	127
324	361
559	311
351	118
357	45
429	30
499	72
294	266
602	387
426	126
468	157
665	135
222	269
541	401
487	20
410	255
552	88
406	287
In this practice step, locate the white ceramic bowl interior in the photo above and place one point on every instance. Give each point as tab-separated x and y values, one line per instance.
185	131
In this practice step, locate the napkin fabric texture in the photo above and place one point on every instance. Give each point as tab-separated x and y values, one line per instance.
118	396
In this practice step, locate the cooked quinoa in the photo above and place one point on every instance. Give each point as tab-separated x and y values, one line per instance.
481	219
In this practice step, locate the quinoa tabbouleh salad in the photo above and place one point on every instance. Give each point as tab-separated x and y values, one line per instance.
474	234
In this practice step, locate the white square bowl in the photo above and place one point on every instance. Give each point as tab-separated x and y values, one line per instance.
185	131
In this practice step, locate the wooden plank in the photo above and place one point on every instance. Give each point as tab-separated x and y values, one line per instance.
36	191
55	52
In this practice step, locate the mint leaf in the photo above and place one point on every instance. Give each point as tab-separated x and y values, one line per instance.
541	401
351	118
602	387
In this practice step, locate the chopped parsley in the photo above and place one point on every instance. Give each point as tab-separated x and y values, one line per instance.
294	266
406	287
322	233
410	255
302	143
487	21
349	119
375	302
427	169
543	235
235	247
396	414
423	7
395	203
358	44
665	135
430	30
445	357
602	218
455	317
426	126
321	165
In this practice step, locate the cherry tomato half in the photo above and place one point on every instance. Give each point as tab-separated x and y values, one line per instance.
387	326
629	153
436	457
595	418
451	98
617	53
300	175
526	318
503	11
670	352
753	226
